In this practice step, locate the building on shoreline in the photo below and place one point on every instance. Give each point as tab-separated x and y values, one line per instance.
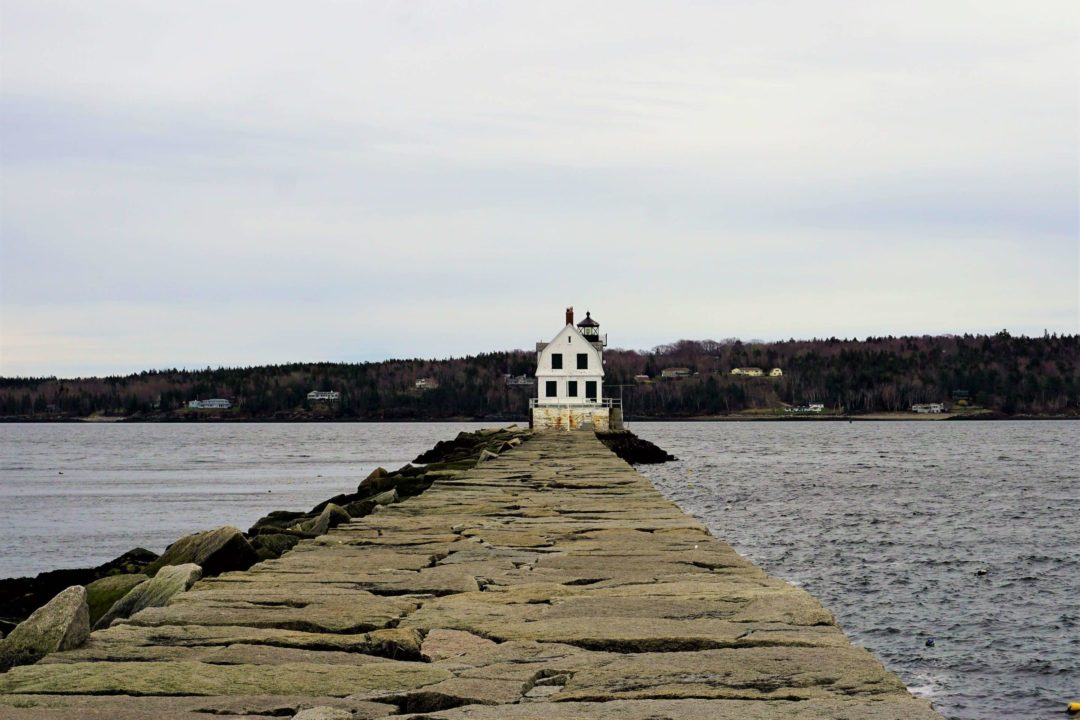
569	380
808	408
323	396
674	372
211	404
925	408
748	371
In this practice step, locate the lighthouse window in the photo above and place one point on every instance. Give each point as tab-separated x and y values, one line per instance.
571	388
590	389
556	361
583	361
550	389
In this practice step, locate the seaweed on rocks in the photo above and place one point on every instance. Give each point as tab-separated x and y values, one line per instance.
19	597
633	449
383	486
469	445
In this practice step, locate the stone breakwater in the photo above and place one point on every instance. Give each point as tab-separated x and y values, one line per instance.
549	581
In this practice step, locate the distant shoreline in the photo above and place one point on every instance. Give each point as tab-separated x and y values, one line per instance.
867	417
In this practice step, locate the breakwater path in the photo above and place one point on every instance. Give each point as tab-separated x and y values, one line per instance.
551	581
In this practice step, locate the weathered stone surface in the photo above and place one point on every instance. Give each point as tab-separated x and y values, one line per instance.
103	593
550	581
135	642
215	551
282	603
179	707
151	593
902	709
455	692
440	644
323	712
196	678
63	623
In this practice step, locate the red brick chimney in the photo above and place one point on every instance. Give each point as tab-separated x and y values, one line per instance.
570	315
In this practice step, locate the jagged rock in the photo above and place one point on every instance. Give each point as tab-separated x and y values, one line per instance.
215	551
371	483
21	596
378	472
276	544
331	516
102	594
63	623
486	455
360	508
154	592
276	522
386	498
633	449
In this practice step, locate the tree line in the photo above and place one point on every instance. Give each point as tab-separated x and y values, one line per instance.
1005	373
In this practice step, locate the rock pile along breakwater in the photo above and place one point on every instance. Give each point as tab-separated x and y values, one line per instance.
549	581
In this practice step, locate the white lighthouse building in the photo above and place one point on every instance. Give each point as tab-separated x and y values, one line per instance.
570	380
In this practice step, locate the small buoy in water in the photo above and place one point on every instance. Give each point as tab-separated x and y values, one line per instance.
1074	708
981	571
60	473
930	642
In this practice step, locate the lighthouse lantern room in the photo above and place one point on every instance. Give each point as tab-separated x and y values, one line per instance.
570	379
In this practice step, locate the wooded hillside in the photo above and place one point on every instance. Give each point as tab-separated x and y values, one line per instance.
1004	373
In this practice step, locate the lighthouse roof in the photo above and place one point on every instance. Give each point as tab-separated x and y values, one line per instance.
588	321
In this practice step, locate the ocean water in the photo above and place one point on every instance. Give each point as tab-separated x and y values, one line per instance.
80	494
966	533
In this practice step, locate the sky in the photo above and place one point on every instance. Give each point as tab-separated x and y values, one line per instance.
236	183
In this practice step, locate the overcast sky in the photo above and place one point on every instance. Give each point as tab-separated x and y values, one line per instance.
229	183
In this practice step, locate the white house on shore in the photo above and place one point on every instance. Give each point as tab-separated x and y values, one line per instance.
323	396
211	404
570	380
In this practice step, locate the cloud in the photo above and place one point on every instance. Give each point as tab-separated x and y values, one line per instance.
353	181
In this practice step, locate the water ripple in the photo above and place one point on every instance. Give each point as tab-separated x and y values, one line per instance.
964	532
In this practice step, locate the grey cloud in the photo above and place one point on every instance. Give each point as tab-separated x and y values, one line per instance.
755	169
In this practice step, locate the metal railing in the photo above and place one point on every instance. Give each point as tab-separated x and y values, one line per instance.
575	402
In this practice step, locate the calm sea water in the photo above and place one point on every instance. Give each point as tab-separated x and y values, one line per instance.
77	494
964	532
